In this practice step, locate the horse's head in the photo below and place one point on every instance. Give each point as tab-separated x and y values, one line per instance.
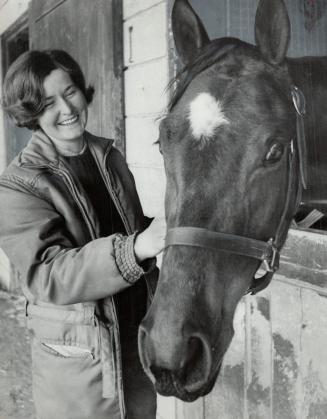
226	144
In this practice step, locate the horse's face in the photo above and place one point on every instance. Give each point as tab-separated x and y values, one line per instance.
224	145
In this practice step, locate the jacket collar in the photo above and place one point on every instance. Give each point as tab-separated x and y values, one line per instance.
41	151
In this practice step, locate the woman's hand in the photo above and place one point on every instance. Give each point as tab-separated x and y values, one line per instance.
151	241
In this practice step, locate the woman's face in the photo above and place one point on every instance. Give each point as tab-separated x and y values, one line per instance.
65	115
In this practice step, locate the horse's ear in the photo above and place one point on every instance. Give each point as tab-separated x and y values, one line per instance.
272	30
188	30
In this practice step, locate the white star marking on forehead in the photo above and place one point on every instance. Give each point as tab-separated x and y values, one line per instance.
205	116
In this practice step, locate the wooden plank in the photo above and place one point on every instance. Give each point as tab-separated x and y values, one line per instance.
41	8
194	410
259	359
304	257
166	408
227	397
314	355
286	321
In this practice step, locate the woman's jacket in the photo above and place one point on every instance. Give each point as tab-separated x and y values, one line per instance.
49	231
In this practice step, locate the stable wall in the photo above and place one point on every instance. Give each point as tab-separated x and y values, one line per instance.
10	11
146	77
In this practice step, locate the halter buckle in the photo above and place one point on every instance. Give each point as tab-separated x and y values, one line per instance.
271	262
298	100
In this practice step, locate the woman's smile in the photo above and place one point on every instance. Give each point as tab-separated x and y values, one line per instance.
69	121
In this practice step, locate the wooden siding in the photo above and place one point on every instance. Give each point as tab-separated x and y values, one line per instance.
11	11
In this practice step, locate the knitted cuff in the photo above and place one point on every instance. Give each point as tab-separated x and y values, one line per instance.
125	258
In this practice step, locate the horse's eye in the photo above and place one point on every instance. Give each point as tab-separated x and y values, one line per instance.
167	133
275	153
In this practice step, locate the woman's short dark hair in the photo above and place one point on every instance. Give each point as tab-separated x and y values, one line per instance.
23	92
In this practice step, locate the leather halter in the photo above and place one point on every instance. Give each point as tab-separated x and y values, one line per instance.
266	252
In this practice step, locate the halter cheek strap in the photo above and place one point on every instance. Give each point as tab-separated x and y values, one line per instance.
299	105
266	252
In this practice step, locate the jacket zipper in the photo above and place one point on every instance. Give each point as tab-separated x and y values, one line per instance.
105	176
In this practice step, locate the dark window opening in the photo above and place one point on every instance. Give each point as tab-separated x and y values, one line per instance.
15	41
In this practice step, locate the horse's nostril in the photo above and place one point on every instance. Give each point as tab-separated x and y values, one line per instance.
194	349
175	364
198	363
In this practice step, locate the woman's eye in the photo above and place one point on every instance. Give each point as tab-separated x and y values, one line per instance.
275	153
48	105
70	93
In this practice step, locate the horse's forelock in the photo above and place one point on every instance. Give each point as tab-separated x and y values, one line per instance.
208	56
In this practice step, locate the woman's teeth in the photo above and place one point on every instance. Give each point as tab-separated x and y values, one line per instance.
69	121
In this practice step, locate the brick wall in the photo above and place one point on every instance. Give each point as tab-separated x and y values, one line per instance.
146	77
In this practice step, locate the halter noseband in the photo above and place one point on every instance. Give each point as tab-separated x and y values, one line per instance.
266	252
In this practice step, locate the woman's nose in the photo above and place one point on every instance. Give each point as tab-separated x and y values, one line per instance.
65	106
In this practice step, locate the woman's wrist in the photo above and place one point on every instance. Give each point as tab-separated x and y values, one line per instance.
140	254
126	259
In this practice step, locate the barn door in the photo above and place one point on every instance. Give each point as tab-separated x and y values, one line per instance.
91	31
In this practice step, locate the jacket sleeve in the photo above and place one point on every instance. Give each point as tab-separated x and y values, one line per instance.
52	269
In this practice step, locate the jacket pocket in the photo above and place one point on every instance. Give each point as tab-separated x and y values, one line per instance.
66	333
67	351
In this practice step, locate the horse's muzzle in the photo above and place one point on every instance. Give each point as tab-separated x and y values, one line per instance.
179	366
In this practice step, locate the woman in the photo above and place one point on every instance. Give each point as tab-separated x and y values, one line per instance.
72	223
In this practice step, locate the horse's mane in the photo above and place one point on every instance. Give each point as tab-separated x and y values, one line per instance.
208	55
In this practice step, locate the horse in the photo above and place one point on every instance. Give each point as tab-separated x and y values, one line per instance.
239	166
